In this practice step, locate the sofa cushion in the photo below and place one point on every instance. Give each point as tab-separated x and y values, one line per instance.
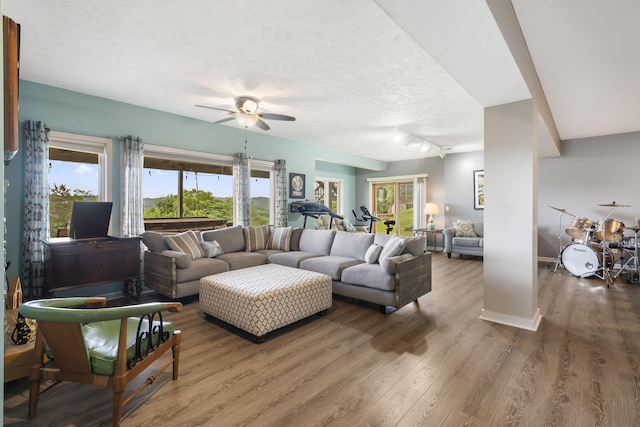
100	336
280	238
200	268
464	229
478	228
369	275
186	242
467	242
351	245
330	265
382	239
154	241
231	239
238	260
182	260
291	258
212	249
372	254
296	233
415	245
256	238
269	252
317	241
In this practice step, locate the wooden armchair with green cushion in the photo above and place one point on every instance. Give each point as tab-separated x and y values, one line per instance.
107	347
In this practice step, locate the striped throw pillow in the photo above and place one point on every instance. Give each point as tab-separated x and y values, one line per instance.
280	238
186	242
256	238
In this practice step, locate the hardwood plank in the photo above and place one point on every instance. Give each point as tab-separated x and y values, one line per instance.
432	363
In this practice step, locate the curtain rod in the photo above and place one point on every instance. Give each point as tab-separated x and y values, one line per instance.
49	128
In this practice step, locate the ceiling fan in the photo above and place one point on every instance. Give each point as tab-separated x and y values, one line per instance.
247	114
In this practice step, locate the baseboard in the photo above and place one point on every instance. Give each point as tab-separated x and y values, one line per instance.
518	322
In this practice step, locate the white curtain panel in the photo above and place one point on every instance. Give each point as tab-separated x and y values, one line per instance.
241	190
132	205
280	176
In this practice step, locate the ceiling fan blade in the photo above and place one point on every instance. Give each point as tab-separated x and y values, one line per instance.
262	125
270	116
225	120
216	108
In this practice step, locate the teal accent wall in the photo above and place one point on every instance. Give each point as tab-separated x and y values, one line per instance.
79	113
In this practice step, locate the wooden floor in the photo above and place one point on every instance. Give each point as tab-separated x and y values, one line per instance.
432	364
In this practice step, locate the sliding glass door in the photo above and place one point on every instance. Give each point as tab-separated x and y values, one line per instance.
393	201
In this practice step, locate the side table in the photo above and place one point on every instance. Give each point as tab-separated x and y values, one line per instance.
425	232
17	360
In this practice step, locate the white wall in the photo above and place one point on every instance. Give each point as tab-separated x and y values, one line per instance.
591	171
458	186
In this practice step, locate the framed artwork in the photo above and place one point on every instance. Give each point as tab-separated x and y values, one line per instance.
478	189
296	186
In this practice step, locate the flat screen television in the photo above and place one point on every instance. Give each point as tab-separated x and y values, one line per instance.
90	219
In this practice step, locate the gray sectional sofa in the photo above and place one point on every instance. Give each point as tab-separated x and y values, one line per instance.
378	268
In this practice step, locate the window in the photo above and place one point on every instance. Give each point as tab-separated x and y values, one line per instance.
328	192
398	199
78	172
186	189
184	184
262	198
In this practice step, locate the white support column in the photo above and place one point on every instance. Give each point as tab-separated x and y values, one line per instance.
510	217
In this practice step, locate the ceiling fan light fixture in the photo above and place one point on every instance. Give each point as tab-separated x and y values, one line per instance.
246	121
248	105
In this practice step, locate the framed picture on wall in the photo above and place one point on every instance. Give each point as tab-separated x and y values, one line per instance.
478	189
296	186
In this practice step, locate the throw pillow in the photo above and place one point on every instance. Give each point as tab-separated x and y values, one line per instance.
280	238
348	226
212	249
296	234
256	238
182	260
372	254
154	241
464	229
186	242
394	246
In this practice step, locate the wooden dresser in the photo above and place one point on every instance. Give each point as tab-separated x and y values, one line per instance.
73	263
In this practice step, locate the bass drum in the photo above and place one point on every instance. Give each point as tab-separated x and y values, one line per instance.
584	260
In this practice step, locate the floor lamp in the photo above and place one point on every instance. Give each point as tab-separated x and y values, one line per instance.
431	209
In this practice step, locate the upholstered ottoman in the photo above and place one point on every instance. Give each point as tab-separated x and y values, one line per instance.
264	298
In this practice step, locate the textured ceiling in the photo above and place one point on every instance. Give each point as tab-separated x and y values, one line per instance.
350	75
354	73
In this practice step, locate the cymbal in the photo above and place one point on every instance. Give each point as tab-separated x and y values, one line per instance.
615	205
564	211
634	228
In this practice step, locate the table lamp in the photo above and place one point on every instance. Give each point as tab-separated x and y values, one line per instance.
431	209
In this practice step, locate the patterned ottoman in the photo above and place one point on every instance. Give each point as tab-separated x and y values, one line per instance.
264	298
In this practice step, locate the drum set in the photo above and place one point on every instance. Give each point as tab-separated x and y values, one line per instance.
596	244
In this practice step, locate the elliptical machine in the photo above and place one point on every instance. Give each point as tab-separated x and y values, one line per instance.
367	217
